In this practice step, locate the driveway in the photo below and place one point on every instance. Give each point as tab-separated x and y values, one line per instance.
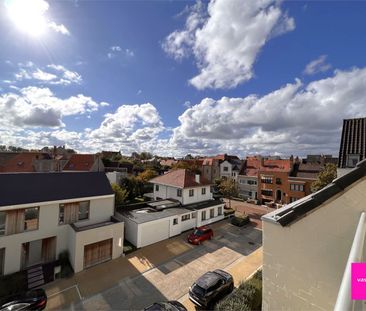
255	212
171	280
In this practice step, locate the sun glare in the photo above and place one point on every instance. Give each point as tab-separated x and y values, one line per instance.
28	15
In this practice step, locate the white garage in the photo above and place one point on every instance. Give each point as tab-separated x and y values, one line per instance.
160	220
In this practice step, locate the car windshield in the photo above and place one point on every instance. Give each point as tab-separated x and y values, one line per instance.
198	232
198	290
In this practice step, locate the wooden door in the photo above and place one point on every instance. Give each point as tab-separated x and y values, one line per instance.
97	252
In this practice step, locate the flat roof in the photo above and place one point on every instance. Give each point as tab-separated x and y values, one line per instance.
149	213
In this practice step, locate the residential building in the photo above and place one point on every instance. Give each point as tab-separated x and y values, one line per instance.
353	142
210	169
181	185
44	214
84	163
230	168
273	183
25	162
168	162
182	201
318	232
4	158
248	179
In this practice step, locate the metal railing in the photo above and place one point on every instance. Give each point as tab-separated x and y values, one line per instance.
344	301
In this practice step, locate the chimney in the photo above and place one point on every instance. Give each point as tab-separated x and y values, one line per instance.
197	178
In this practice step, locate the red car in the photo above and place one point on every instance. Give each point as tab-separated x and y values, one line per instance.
200	234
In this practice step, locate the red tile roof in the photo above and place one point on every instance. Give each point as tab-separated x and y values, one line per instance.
253	166
80	162
180	178
23	162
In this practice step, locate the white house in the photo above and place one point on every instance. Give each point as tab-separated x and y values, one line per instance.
182	201
44	214
307	247
230	169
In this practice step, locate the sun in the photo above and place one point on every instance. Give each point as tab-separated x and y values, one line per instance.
28	15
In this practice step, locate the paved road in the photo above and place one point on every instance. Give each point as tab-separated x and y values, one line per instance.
170	280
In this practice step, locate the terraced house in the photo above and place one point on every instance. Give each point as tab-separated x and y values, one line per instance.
44	214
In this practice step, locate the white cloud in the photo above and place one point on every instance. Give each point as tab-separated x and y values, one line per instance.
39	107
116	50
317	65
104	104
226	43
59	75
59	28
295	119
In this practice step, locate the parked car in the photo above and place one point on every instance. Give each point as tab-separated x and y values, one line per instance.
200	234
210	287
166	306
240	220
35	299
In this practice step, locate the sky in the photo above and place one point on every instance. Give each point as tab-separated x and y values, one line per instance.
172	77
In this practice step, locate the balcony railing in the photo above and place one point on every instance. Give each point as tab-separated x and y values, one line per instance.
344	301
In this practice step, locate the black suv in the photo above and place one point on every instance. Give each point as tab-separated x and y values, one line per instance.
166	306
210	287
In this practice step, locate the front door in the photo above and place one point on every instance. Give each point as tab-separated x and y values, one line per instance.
38	252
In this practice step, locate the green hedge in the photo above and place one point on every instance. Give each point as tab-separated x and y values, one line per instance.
240	221
247	297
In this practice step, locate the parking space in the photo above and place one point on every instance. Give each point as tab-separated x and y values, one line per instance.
170	280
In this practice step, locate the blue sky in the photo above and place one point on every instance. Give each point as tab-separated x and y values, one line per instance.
178	77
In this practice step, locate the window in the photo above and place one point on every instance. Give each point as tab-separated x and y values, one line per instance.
292	199
212	213
352	160
156	187
278	181
84	210
191	192
296	187
203	190
31	218
242	181
219	211
226	169
267	192
266	180
175	221
179	192
186	217
2	222
194	215
73	212
203	215
252	182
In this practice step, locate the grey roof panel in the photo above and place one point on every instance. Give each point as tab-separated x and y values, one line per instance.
25	188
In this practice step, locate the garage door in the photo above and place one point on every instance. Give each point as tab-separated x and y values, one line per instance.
97	252
154	232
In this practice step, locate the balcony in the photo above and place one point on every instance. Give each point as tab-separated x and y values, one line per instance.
344	301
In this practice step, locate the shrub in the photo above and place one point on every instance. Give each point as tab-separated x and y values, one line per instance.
66	269
248	296
240	220
228	211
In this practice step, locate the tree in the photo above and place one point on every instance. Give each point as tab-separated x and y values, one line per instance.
192	165
134	186
228	189
325	177
121	194
146	175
